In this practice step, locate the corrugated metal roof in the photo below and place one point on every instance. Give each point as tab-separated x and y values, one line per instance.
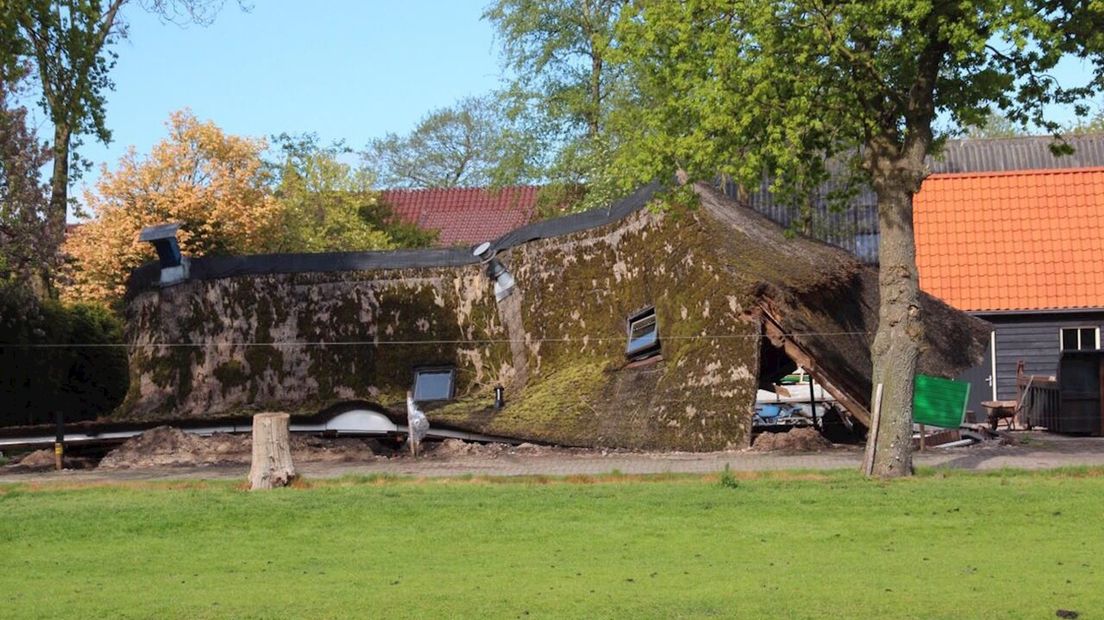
1026	153
1002	241
856	228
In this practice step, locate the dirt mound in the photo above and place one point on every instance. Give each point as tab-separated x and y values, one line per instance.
805	439
43	460
457	447
165	446
308	448
37	460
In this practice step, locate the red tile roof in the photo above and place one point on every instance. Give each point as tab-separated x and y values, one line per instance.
1026	240
465	216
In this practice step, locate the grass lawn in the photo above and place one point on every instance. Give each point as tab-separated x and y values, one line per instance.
790	545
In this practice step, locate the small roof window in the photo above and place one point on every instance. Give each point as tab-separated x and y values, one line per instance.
432	384
643	335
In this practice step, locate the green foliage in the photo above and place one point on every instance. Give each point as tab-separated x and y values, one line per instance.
786	545
470	144
760	87
995	125
25	242
727	480
72	373
69	45
564	86
1087	125
329	204
69	41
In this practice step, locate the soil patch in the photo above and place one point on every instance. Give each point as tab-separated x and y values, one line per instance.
165	446
43	460
802	439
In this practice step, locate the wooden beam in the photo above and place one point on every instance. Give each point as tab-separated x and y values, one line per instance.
797	353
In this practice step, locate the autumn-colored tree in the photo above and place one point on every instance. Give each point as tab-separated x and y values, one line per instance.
215	185
70	45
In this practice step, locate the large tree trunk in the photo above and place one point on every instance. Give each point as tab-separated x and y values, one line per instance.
272	466
896	345
59	203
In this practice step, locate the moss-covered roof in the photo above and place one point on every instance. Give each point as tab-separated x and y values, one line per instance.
302	340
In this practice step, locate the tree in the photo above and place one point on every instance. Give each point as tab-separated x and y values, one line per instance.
752	87
1093	124
329	205
470	144
25	241
563	84
40	374
215	185
995	125
69	45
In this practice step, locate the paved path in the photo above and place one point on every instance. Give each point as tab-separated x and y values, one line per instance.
1037	451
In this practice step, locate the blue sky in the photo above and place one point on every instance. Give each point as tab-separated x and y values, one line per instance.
346	69
341	68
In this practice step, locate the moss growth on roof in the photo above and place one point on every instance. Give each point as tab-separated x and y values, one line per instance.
302	342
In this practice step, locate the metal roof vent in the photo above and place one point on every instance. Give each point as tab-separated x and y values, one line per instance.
174	265
504	283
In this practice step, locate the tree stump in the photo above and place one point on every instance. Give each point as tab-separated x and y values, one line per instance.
271	466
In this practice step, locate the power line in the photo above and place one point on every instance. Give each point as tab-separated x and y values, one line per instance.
376	343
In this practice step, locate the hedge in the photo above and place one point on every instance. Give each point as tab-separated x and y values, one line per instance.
84	382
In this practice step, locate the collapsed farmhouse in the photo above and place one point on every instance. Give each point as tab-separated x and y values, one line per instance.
623	327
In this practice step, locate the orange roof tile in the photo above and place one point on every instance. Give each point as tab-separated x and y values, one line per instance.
465	215
1025	240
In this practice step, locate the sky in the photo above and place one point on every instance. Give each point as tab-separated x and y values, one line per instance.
345	69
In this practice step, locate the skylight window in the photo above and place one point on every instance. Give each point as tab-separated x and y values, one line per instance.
643	335
434	384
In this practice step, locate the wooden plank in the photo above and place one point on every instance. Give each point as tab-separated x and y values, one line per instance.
872	434
803	358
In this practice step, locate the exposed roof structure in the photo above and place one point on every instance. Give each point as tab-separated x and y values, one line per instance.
1007	241
465	215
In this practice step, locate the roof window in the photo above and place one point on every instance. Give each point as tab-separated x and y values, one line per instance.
643	335
432	384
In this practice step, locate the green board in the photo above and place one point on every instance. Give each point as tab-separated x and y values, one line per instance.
939	402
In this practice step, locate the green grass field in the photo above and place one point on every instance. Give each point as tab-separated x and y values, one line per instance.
789	545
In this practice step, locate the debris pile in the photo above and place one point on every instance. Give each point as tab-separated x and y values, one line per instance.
800	439
43	460
165	446
451	448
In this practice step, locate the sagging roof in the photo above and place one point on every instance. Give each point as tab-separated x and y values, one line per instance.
1013	241
825	302
297	333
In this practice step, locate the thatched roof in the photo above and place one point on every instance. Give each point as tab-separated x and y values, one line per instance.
353	327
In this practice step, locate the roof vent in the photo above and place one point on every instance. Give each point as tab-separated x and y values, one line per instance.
174	265
504	283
